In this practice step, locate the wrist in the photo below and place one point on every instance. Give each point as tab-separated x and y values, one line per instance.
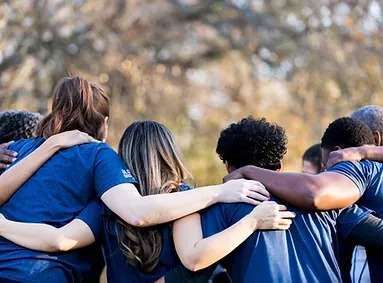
51	145
245	170
252	221
3	223
216	193
363	152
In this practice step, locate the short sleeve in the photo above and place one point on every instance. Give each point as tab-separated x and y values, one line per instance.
351	217
185	187
109	171
358	172
92	216
213	220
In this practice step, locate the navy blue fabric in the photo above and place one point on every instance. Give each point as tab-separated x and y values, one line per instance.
307	252
56	194
119	270
351	217
92	216
368	177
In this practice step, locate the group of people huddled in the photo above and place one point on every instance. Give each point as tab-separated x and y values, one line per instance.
70	204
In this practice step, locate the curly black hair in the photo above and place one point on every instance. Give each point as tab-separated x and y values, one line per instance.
15	125
253	142
346	132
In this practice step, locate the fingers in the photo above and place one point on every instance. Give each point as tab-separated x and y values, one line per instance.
282	227
286	214
259	188
5	145
285	221
257	196
250	200
7	157
282	207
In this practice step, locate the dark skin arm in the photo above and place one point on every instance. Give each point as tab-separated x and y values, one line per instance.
328	190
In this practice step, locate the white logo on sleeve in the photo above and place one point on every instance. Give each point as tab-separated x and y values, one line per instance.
126	173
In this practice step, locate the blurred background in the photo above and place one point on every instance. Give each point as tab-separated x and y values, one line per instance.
199	65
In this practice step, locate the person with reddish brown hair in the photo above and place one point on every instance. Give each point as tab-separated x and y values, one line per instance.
60	177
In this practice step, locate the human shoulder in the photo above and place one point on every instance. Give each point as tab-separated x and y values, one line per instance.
26	144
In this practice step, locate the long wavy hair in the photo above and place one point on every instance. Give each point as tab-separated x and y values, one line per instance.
149	150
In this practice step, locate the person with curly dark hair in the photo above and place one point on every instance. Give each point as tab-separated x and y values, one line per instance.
15	125
312	160
345	132
340	186
303	253
252	141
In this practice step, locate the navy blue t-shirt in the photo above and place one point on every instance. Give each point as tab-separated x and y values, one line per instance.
307	252
368	178
56	194
119	270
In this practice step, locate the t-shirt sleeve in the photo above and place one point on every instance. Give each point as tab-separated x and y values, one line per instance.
110	171
92	216
358	172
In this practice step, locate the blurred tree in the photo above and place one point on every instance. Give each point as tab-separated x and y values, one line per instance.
198	65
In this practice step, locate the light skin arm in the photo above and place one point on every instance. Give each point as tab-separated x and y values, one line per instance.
140	211
125	201
12	179
197	253
324	191
43	237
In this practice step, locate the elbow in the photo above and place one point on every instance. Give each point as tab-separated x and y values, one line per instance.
193	265
62	244
319	202
139	221
314	198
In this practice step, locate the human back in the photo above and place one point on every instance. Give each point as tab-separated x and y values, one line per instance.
145	255
63	187
306	252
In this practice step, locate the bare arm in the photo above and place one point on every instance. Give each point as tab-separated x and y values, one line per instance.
369	152
328	190
197	253
43	237
137	210
12	179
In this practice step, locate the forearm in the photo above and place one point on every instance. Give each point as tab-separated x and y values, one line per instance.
33	236
371	152
295	188
324	191
210	250
13	178
161	208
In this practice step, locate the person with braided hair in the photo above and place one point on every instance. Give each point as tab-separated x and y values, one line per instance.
15	125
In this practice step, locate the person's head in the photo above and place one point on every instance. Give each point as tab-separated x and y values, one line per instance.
15	125
77	104
312	160
343	133
252	142
149	150
372	116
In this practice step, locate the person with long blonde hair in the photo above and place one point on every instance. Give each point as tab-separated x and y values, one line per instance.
63	189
